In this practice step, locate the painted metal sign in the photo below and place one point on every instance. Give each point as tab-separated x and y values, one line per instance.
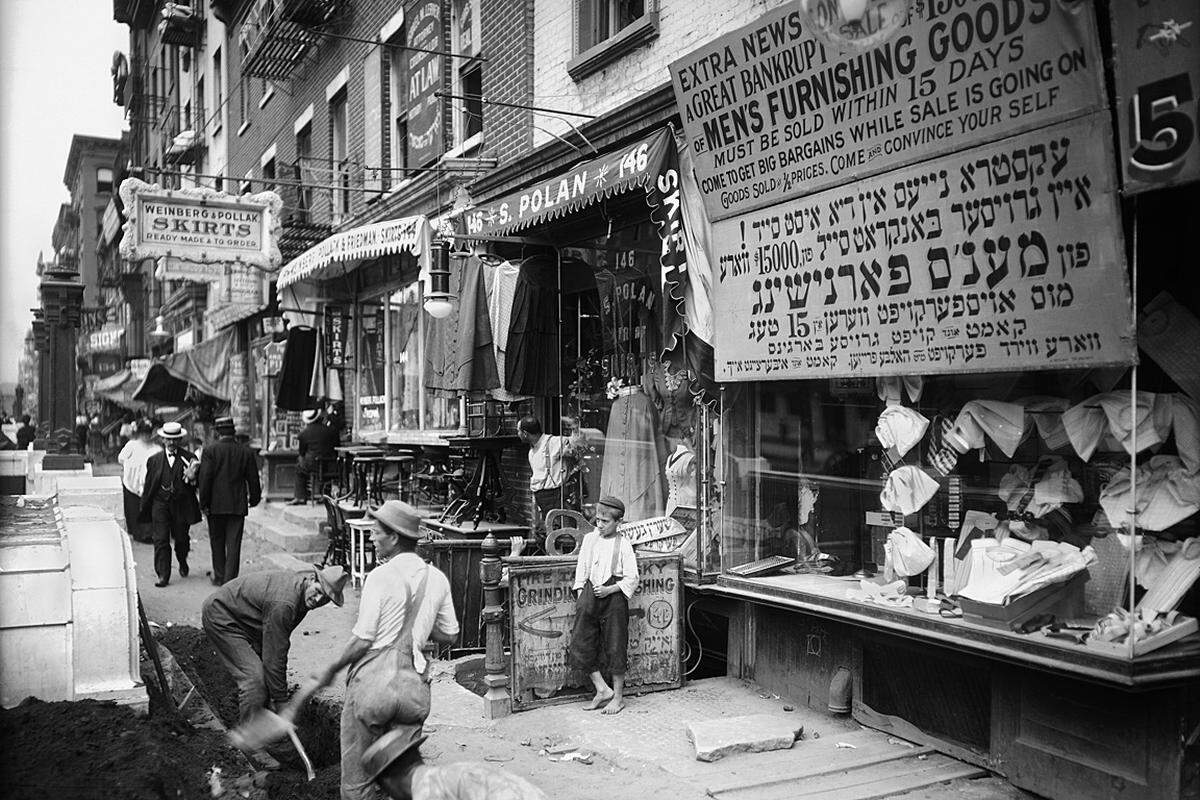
200	225
772	114
542	616
1006	256
1157	55
425	128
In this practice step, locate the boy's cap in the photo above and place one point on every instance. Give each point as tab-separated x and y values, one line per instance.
608	501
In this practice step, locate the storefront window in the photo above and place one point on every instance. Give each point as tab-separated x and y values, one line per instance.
404	323
372	370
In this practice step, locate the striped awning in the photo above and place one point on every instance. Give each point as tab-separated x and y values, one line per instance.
342	252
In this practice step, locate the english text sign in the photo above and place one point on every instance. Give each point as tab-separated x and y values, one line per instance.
771	114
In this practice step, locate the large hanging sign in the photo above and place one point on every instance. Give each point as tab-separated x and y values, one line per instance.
424	79
1004	257
771	113
200	226
1157	60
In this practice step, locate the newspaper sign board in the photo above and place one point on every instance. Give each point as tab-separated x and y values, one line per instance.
200	225
770	113
543	616
1006	256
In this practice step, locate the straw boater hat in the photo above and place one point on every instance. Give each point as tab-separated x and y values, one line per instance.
310	415
333	580
172	430
399	517
389	748
223	425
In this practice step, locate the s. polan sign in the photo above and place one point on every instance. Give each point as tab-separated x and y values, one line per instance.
771	113
200	225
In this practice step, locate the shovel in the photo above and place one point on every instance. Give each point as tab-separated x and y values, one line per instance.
266	727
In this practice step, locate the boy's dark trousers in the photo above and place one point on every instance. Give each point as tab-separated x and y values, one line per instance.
601	636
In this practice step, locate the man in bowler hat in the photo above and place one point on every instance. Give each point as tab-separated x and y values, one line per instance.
229	487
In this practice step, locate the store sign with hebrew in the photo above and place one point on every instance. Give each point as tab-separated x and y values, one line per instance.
201	226
1006	256
543	615
773	113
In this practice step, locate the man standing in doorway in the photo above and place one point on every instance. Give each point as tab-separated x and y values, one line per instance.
169	501
316	442
548	482
405	602
229	487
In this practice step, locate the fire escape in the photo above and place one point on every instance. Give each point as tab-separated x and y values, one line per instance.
278	34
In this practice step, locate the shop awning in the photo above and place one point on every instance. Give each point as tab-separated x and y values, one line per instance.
119	388
342	252
636	166
207	367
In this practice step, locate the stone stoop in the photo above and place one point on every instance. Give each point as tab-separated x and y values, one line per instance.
276	530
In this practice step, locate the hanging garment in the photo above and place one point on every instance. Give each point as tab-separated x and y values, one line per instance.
317	388
631	470
908	552
939	455
907	490
1185	423
1003	423
889	388
474	367
295	375
1090	424
680	472
501	291
531	359
1035	499
672	397
900	428
1167	494
1046	413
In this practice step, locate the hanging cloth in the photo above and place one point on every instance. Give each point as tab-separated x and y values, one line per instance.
631	468
295	375
474	367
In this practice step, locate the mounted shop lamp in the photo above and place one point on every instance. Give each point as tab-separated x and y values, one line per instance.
159	331
438	300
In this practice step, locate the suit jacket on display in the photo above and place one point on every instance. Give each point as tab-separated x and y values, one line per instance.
228	480
184	501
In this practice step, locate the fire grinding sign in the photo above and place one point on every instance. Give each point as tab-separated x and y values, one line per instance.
542	616
200	225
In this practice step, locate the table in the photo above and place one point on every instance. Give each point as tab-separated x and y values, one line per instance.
467	530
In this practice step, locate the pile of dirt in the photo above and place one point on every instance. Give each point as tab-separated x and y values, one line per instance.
90	749
198	658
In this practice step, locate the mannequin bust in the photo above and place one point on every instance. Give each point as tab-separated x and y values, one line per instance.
680	473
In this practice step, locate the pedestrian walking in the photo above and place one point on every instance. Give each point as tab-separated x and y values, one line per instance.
169	501
404	602
26	433
316	442
250	621
133	458
606	576
228	487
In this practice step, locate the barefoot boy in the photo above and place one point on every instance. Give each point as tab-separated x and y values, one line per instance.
606	576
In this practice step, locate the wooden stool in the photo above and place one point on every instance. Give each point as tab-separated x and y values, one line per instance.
362	552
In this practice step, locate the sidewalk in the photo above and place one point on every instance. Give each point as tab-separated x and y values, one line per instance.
642	752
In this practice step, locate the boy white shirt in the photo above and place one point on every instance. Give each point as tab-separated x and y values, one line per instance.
602	557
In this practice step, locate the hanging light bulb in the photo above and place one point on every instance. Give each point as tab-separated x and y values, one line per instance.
854	25
438	300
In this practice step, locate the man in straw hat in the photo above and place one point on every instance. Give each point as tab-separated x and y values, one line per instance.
317	441
606	576
405	602
229	487
250	621
394	762
169	501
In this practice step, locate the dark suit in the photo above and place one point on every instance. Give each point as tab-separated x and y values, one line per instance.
229	486
170	504
317	441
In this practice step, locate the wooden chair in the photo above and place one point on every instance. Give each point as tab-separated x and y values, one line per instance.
567	537
337	553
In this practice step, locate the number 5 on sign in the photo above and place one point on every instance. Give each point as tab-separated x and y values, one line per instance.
1158	83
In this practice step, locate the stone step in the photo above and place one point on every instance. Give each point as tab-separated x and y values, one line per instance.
304	516
275	532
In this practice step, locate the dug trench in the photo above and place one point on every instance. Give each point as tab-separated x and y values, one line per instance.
318	724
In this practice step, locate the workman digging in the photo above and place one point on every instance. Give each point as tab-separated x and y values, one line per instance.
405	602
250	621
606	576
